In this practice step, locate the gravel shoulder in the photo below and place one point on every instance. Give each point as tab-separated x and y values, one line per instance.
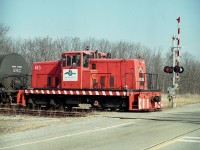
18	123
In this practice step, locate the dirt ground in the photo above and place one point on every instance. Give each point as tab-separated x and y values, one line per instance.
19	123
16	123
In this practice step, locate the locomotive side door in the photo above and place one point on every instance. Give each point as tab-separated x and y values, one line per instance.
72	70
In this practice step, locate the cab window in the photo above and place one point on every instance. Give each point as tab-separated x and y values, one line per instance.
85	60
74	60
63	60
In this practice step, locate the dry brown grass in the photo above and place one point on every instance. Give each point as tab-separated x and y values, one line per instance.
17	123
181	100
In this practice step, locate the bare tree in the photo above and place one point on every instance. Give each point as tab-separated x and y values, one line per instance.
190	82
5	41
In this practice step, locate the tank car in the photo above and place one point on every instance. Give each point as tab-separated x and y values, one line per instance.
13	76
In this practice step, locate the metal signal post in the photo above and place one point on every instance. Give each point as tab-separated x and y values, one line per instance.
176	58
176	68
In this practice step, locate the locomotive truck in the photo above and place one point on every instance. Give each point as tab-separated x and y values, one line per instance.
84	77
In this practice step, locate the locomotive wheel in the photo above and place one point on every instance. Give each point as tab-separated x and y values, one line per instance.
61	108
113	109
38	107
69	107
31	104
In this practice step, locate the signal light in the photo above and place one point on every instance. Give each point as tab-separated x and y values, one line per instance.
168	69
176	69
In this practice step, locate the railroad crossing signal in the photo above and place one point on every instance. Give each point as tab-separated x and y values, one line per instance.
176	69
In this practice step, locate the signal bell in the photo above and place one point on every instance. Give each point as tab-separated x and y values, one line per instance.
176	69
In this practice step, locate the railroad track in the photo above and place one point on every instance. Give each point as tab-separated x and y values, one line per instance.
45	113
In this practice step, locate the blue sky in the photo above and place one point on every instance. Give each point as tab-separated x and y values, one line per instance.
150	22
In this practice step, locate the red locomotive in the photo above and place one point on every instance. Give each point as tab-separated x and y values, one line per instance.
93	78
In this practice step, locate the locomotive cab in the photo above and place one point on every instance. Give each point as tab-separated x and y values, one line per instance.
75	69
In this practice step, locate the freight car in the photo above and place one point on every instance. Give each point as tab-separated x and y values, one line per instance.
94	78
13	76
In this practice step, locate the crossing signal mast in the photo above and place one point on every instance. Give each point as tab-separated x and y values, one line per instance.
176	69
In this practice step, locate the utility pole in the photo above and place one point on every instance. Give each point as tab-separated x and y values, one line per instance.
176	69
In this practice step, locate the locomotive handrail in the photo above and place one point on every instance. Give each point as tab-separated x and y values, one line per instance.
152	81
84	89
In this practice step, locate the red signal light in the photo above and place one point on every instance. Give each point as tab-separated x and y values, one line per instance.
176	69
168	69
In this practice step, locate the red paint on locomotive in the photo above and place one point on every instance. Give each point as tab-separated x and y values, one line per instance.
46	74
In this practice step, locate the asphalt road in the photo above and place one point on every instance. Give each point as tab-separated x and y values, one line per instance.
167	130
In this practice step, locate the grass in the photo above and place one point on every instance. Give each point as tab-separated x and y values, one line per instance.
183	99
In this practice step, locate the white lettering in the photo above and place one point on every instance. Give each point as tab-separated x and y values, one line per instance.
38	67
17	69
